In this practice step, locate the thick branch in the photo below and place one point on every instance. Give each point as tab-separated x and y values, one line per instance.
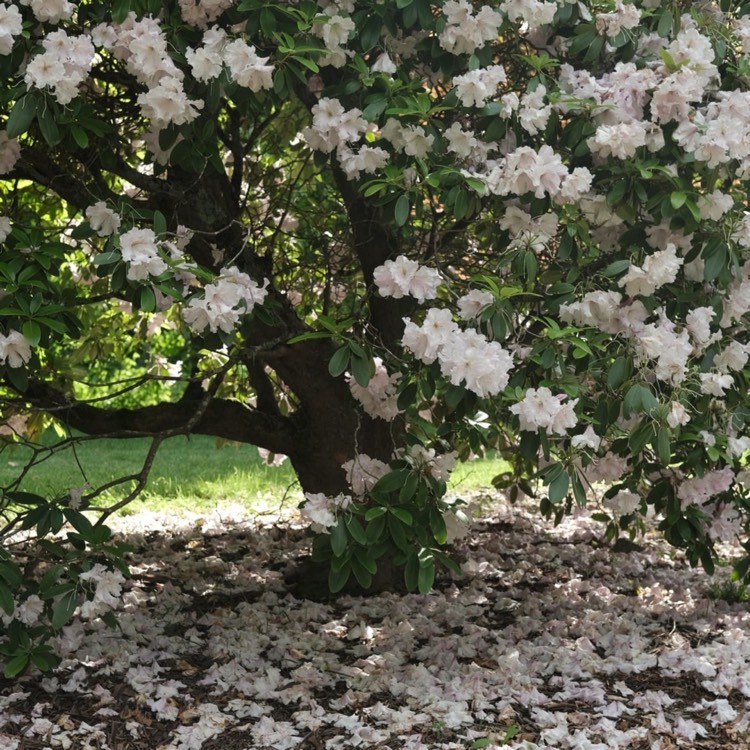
222	418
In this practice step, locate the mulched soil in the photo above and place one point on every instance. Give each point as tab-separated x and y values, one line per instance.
548	639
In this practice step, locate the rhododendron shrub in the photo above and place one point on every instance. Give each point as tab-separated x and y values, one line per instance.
380	236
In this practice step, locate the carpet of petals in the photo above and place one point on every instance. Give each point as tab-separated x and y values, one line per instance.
548	640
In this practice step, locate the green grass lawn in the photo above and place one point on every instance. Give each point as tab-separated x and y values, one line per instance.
191	473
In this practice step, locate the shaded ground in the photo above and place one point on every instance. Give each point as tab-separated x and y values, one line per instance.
545	641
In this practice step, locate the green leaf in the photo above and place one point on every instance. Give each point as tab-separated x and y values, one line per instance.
558	488
391	481
79	136
396	530
666	20
715	263
437	524
363	576
339	538
401	210
105	259
6	599
33	332
616	268
374	512
339	361
356	531
403	515
146	299
662	446
411	572
375	528
632	401
15	666
619	372
160	224
48	126
64	609
409	488
362	369
426	577
337	578
21	116
678	199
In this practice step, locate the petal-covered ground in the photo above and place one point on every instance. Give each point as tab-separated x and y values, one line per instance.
548	640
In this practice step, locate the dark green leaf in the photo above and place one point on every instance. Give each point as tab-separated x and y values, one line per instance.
63	609
21	116
374	513
362	369
619	372
403	515
339	361
396	529
558	488
147	299
16	665
391	481
160	224
355	530
426	577
337	578
32	332
401	210
48	126
339	538
6	599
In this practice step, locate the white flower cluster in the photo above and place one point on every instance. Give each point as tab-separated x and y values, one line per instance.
699	490
533	232
403	277
5	228
140	250
464	355
477	86
335	32
474	303
15	349
50	11
203	12
107	592
437	465
540	409
333	126
623	503
465	31
532	13
541	172
411	139
320	510
658	269
379	398
362	472
226	300
104	221
624	16
142	45
63	66
11	25
623	139
246	68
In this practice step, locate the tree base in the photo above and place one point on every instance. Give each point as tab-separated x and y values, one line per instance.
308	579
